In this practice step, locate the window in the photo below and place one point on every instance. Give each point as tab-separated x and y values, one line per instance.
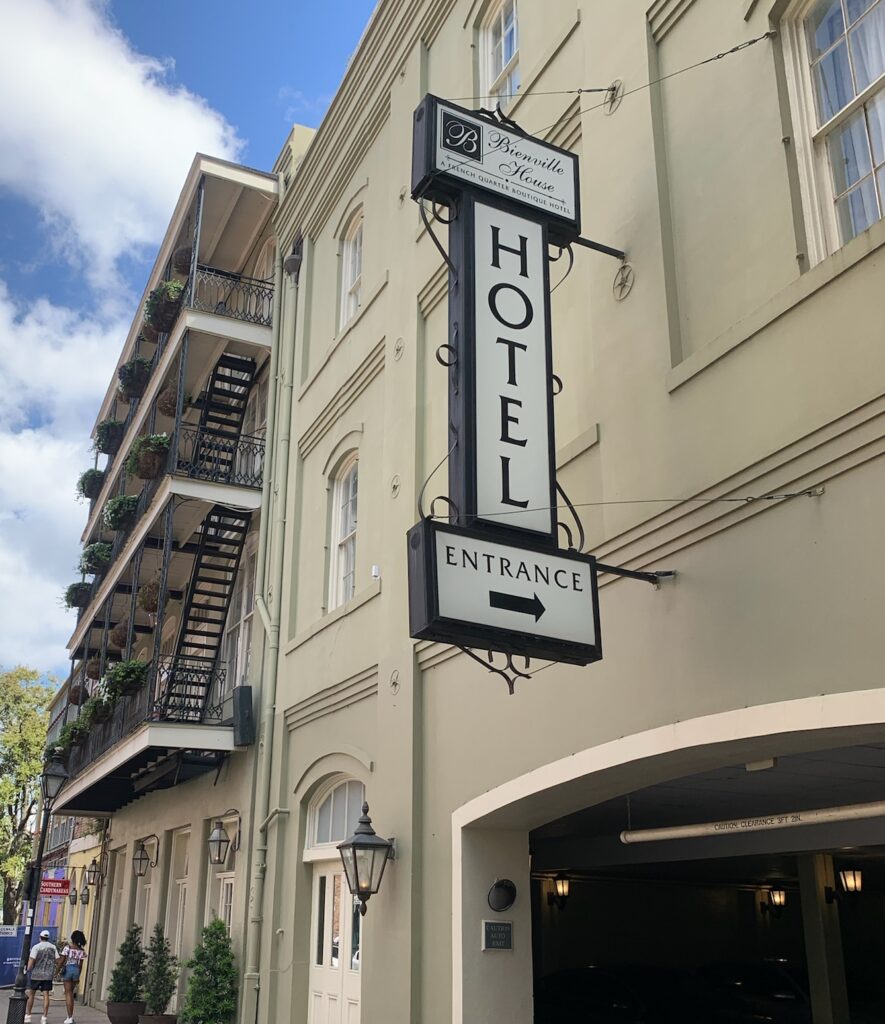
501	53
842	47
225	910
351	269
342	567
238	630
337	816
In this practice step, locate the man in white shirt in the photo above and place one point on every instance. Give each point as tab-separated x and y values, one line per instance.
41	970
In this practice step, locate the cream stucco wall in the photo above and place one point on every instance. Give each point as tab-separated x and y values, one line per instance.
732	369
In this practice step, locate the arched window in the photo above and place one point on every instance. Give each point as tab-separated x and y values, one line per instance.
336	815
351	269
342	533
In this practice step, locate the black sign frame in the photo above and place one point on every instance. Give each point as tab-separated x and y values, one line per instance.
426	623
429	182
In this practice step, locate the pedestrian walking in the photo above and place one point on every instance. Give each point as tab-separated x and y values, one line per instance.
41	969
73	954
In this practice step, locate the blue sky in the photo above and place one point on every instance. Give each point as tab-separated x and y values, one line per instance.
102	116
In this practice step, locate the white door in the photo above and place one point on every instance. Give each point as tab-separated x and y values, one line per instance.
335	948
178	932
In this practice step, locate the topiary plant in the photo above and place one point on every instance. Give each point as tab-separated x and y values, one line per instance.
147	456
161	973
96	557
211	994
77	595
162	304
126	677
119	512
109	436
134	376
90	483
127	979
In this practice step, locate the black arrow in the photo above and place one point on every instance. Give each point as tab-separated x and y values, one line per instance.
513	603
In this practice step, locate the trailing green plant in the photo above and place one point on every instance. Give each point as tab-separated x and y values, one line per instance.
211	994
119	512
90	483
149	596
77	595
96	557
99	706
127	978
73	733
109	436
147	456
162	304
161	973
125	677
134	376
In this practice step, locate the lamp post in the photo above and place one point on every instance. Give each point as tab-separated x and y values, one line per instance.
51	781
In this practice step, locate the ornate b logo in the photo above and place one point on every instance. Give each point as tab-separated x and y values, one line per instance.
461	137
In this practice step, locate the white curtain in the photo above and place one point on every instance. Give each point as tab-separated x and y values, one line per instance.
868	46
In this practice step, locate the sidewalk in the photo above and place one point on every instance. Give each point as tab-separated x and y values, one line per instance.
57	1012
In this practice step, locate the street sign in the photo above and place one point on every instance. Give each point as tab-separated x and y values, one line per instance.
497	935
466	587
55	886
454	149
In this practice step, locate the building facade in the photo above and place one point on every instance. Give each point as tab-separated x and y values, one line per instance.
720	416
156	718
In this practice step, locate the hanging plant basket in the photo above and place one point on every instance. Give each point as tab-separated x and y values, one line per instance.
101	709
92	668
134	376
109	436
119	513
119	635
95	558
90	483
167	400
149	597
181	260
77	694
78	595
147	456
163	303
126	677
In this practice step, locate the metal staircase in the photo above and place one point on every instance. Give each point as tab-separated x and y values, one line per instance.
191	673
221	419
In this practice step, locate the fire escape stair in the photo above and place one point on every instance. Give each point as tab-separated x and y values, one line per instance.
221	418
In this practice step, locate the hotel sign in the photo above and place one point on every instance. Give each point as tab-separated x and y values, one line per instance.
455	149
494	576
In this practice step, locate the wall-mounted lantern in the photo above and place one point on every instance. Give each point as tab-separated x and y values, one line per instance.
141	859
93	872
851	881
559	894
775	902
364	856
219	841
84	893
72	894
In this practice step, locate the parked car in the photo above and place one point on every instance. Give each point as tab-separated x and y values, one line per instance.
764	991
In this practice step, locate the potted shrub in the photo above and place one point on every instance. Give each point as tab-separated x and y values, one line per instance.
119	635
119	513
211	994
149	597
160	976
109	436
162	305
125	992
181	260
126	677
134	376
78	595
90	483
96	557
92	668
147	456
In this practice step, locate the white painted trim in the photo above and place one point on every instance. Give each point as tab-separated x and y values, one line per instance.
829	719
153	734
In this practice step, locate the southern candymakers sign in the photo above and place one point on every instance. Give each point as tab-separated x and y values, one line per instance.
493	577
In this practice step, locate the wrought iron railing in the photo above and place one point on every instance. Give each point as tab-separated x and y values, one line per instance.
177	690
227	294
205	455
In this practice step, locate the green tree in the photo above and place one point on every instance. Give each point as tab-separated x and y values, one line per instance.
127	977
211	996
24	699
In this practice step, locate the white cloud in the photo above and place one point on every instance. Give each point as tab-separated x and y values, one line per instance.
92	133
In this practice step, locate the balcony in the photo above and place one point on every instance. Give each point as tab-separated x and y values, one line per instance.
231	295
177	726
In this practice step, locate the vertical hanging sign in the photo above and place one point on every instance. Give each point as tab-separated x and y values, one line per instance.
493	576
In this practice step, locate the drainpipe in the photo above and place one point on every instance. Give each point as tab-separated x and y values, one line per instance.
279	469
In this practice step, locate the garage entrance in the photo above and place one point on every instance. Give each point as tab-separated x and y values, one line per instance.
782	926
